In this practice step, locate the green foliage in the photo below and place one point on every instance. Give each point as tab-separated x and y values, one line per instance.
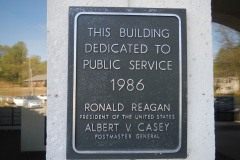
35	65
15	66
12	61
4	49
227	62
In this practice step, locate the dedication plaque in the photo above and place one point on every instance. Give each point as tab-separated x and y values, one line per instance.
127	83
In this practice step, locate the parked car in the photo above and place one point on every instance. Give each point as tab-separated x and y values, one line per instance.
43	97
225	108
32	102
18	100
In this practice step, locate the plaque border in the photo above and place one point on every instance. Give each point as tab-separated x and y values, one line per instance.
74	85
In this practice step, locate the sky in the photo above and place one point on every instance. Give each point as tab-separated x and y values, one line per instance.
215	39
24	20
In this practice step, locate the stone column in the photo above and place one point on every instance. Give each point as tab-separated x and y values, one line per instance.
201	144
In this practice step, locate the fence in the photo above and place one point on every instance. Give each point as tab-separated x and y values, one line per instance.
10	116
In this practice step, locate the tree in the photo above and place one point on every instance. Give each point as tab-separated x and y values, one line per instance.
11	62
227	62
15	65
36	65
3	50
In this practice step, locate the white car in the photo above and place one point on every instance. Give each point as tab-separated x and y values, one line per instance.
32	102
43	97
18	100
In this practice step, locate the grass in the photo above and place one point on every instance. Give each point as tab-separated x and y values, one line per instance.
9	89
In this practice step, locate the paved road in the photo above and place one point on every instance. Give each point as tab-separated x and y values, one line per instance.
227	140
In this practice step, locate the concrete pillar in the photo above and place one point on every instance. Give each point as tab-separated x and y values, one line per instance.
32	129
200	139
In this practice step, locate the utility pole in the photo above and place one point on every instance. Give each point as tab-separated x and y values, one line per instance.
30	76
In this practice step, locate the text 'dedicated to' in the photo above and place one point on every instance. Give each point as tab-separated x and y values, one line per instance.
127	86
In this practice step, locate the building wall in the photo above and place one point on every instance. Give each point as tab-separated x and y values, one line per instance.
39	84
226	85
42	83
201	143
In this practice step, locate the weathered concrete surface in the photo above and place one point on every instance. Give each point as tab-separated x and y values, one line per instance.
201	143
